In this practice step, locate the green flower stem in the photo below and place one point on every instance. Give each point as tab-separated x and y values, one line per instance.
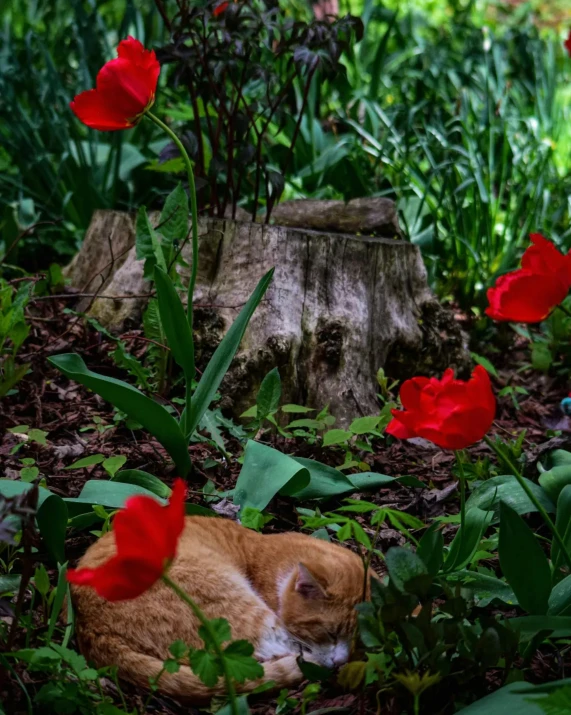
531	496
194	267
462	481
230	690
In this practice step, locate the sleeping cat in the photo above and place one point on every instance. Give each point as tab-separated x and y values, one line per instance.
285	593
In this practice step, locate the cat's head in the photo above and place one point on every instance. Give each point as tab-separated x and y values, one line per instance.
317	604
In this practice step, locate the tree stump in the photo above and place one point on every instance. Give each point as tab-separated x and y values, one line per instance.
339	308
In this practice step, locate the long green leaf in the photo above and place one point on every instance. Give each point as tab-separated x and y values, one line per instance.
562	524
52	522
523	562
223	356
175	324
466	541
128	399
265	472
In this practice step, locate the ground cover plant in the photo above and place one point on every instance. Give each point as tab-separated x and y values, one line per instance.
457	492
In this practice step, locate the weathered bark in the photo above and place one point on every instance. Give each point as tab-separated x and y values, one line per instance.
370	216
339	308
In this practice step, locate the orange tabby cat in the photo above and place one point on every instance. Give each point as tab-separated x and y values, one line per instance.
285	593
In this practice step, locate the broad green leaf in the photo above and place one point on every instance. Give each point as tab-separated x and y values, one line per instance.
488	496
173	222
431	549
523	562
326	482
363	481
240	662
52	519
485	588
556	703
513	699
555	480
87	461
130	400
9	583
467	540
556	458
175	323
560	598
110	494
563	525
529	626
143	479
223	356
265	472
336	436
268	397
404	566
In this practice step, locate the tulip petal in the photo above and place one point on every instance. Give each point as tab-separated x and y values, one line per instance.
118	579
397	428
97	111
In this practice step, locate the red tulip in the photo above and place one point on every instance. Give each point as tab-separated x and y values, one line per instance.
452	414
125	89
567	43
146	537
530	293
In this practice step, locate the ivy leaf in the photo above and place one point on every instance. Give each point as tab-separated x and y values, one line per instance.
240	663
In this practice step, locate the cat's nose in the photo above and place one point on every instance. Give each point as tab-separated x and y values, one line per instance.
340	654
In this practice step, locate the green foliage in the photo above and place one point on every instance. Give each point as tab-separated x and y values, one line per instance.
52	169
13	332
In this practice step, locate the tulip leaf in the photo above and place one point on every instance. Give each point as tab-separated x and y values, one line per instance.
485	588
108	493
265	472
138	406
562	524
52	523
431	549
143	479
512	698
560	598
555	479
467	539
175	324
523	562
491	493
530	626
223	356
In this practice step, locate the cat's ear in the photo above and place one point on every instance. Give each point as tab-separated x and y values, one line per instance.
307	585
